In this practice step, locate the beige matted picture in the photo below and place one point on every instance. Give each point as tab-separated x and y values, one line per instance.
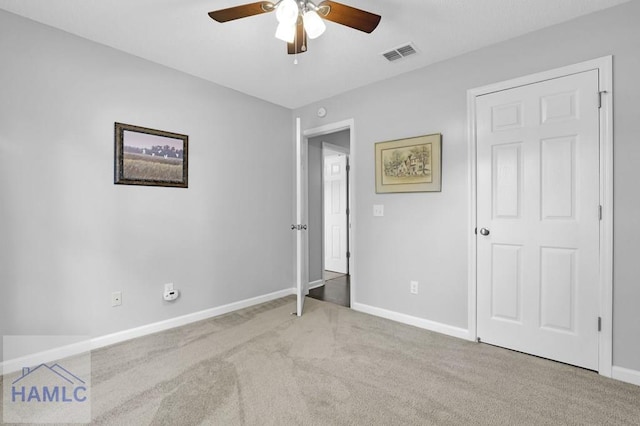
409	165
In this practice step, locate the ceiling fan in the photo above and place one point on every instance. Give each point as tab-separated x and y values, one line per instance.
302	19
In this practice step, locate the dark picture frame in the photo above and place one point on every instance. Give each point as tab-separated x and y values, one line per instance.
150	157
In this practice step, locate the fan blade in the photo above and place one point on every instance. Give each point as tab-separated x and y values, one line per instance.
237	12
300	43
349	16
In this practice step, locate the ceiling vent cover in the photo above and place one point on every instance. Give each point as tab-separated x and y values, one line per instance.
400	52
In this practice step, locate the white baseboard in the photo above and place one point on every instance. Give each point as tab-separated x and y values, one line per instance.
438	327
12	365
16	364
618	373
626	375
315	284
121	336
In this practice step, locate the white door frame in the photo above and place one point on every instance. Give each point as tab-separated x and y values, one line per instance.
302	241
326	146
324	130
604	66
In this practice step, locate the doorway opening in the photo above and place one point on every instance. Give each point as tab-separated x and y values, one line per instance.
328	201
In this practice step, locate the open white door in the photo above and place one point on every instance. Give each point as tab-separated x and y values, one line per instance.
335	213
300	227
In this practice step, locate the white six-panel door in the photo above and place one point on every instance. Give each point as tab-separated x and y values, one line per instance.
538	218
335	213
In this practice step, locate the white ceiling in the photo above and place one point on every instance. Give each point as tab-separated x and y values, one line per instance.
245	56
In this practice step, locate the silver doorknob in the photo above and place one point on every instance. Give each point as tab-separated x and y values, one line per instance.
484	231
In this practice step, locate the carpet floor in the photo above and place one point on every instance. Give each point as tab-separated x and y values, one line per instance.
335	366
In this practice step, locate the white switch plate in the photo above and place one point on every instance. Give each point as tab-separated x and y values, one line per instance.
116	298
378	209
413	287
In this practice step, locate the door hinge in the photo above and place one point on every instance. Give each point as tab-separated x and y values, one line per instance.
600	98
600	212
599	323
348	254
348	212
348	168
475	231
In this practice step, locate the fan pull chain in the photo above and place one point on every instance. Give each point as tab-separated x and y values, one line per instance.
295	47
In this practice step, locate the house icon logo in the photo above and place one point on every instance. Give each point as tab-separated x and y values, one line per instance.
47	384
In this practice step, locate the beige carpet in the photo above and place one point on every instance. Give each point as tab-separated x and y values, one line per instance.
334	366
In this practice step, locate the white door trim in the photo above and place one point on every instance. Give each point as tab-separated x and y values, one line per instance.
332	128
604	66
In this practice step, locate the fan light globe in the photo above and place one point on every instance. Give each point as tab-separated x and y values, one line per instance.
313	24
287	12
286	32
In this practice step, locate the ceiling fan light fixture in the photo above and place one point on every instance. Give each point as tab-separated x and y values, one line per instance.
286	32
313	24
287	12
300	20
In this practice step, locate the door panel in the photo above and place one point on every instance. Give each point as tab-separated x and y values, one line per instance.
302	245
506	282
335	213
507	168
558	178
557	288
538	195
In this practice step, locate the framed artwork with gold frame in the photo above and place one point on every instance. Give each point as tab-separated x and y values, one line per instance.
409	165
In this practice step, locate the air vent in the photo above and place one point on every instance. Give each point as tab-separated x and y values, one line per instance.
407	50
400	52
392	55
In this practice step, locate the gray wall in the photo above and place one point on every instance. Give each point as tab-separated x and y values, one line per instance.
69	236
424	236
316	237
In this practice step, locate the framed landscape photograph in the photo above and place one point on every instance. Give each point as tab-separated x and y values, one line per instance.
150	157
409	165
